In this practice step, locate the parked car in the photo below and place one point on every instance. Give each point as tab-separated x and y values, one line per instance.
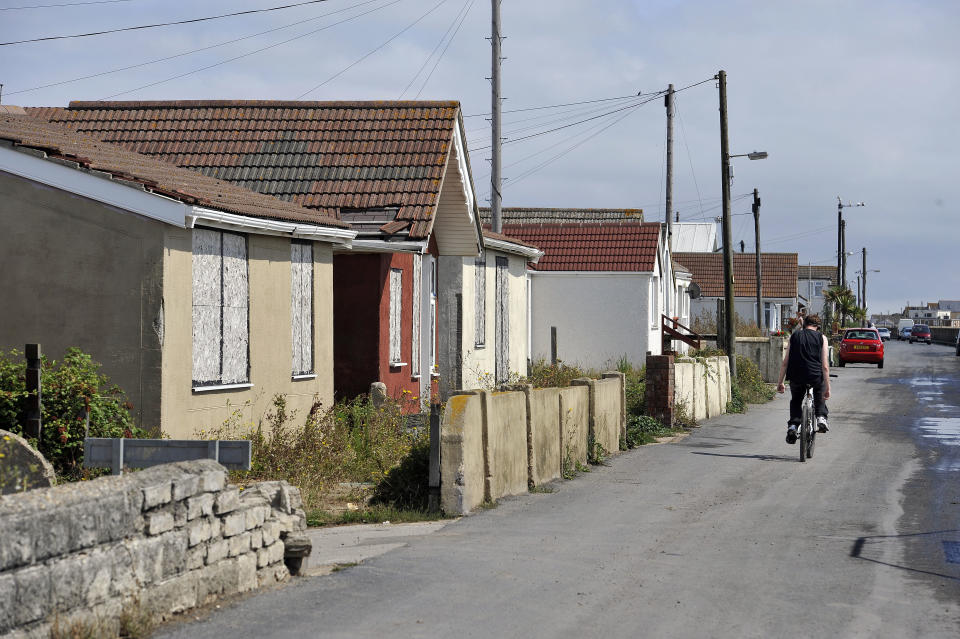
861	345
921	333
884	333
904	333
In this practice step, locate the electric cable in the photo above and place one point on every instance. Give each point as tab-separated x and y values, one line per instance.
65	4
442	53
683	134
163	24
246	55
186	53
439	43
552	106
371	52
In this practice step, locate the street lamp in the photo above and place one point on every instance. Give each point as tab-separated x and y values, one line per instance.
841	241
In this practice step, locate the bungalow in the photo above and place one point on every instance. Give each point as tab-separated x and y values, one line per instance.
398	172
601	287
778	274
200	298
487	299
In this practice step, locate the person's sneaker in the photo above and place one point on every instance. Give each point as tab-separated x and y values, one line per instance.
822	424
791	434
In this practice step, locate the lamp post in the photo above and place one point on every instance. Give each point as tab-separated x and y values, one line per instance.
841	241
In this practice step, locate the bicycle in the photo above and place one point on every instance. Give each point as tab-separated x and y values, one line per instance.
808	427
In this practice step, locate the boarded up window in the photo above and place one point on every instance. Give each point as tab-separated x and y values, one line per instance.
480	303
396	299
301	307
221	342
417	309
502	372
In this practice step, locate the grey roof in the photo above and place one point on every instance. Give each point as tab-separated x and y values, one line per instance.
523	215
817	272
694	237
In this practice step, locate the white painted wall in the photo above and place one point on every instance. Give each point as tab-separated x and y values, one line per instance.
745	308
479	363
599	317
808	288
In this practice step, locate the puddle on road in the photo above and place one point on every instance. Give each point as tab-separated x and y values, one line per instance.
943	431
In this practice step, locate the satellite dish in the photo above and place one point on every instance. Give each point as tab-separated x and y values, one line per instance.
693	291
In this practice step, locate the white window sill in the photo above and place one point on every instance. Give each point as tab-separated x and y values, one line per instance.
220	387
480	347
305	376
397	364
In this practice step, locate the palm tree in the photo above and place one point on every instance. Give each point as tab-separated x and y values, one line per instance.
843	302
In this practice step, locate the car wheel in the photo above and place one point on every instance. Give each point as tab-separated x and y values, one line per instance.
879	364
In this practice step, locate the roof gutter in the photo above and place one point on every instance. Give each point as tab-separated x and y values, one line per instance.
230	221
380	246
533	255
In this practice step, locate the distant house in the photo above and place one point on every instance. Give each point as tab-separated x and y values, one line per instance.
812	283
601	286
200	298
778	273
398	172
513	215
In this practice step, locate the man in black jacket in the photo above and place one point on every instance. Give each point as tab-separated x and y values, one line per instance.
807	361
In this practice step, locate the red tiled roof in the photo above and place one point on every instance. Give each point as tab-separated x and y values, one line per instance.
611	246
154	175
526	215
487	233
777	270
322	155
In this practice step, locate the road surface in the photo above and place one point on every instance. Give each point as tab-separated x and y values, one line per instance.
723	534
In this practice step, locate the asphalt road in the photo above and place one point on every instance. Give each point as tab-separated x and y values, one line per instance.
723	534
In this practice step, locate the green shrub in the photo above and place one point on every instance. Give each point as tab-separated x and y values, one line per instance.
354	441
65	385
750	385
546	375
643	429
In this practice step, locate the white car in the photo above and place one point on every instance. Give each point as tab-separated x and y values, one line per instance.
884	333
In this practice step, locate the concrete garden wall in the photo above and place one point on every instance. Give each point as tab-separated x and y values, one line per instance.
494	444
702	385
766	352
162	541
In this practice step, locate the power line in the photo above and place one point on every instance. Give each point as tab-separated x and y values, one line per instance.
683	134
553	106
66	4
186	53
246	55
439	42
164	24
372	51
442	53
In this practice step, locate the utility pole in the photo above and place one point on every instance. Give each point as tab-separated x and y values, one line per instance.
756	235
668	215
863	296
729	328
843	253
496	197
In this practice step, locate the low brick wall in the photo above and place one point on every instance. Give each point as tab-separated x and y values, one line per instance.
494	444
162	541
944	334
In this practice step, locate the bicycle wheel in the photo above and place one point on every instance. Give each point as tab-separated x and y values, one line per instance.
811	439
804	438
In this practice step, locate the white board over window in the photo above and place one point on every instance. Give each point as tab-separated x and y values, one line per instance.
301	307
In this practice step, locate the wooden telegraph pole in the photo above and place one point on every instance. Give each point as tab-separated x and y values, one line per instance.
756	232
668	102
496	197
729	328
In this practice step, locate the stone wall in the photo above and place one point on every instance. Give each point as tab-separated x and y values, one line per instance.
159	541
494	444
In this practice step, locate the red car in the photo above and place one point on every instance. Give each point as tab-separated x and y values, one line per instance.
920	333
861	345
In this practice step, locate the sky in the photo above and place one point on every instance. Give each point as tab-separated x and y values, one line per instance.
850	98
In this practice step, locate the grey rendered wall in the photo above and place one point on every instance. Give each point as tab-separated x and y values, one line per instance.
449	285
75	272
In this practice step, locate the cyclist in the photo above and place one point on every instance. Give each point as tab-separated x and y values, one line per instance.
806	362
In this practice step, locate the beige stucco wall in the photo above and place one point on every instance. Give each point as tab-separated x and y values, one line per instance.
186	412
479	362
574	424
76	272
703	385
545	435
461	461
506	443
607	403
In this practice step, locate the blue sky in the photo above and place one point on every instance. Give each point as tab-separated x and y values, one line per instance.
850	98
